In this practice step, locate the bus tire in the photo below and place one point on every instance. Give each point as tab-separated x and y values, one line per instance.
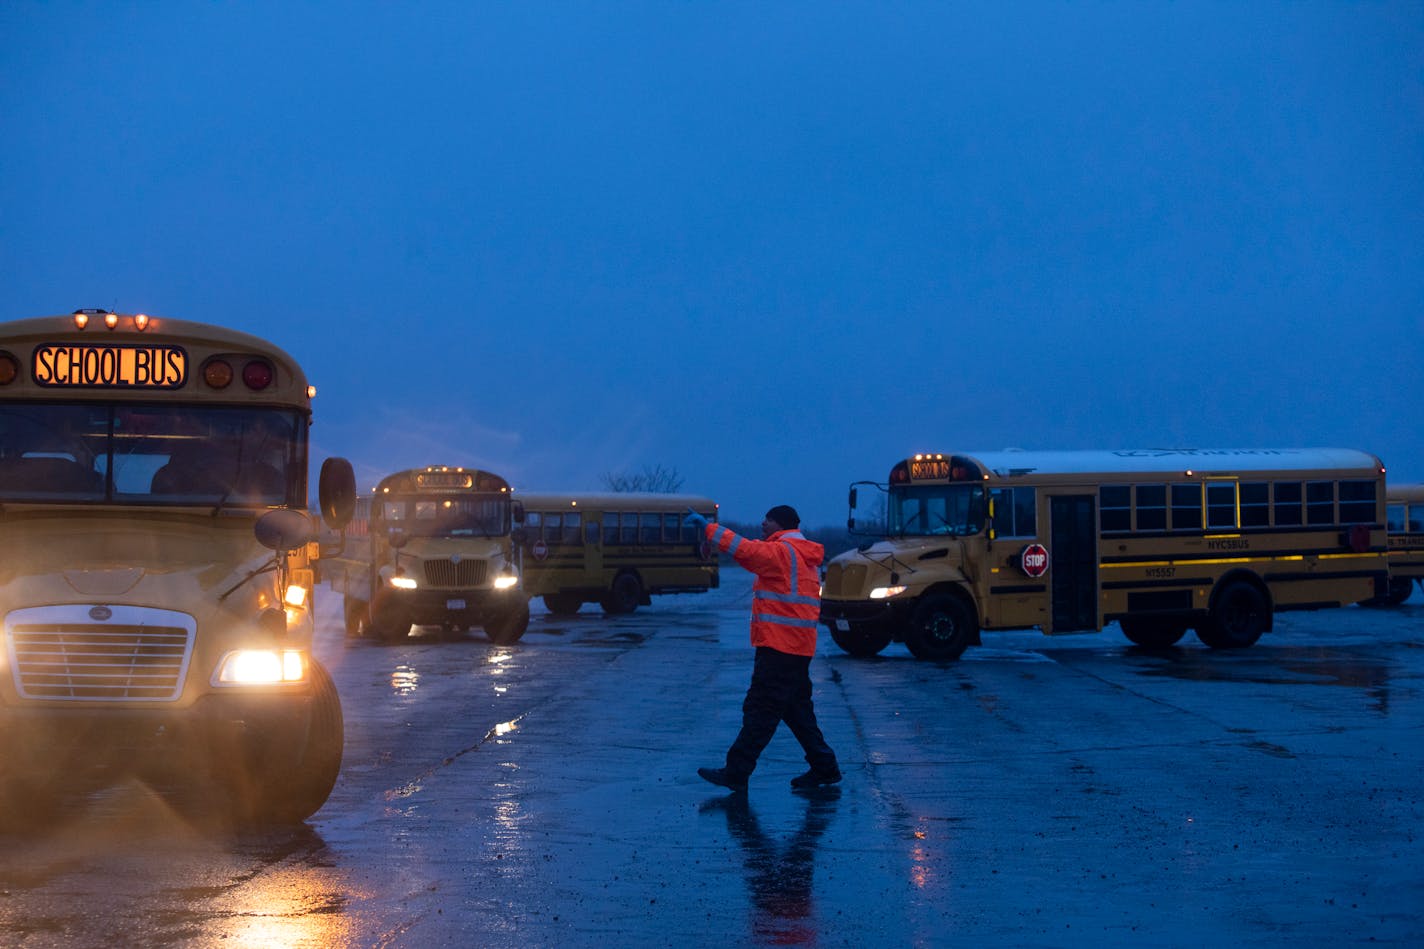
1153	633
1399	590
862	642
508	627
562	604
1239	615
941	628
624	596
358	617
293	795
389	631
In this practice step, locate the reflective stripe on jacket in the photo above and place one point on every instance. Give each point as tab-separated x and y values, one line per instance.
786	598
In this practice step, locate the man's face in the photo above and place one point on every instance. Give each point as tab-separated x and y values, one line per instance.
768	527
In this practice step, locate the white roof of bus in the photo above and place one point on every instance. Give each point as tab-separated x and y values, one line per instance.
1123	461
652	499
1399	493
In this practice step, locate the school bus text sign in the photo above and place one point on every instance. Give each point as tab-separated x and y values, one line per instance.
109	366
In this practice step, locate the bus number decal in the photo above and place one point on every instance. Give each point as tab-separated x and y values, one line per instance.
1161	573
88	365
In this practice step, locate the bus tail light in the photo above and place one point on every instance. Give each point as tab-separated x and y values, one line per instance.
257	374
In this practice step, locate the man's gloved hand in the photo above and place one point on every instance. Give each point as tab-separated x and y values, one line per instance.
693	519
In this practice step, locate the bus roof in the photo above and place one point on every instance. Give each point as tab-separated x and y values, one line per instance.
614	500
1401	493
1013	462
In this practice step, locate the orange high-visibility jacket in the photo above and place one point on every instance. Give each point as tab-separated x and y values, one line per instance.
786	598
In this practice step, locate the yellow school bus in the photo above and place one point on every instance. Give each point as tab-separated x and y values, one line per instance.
1159	541
431	547
157	572
1404	517
616	549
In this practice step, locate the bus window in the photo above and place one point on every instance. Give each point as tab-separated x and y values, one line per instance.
672	528
1025	513
572	532
1255	506
1014	512
936	509
1151	507
1220	505
1186	507
533	522
1357	502
1394	519
1320	502
1287	506
590	533
1114	506
652	530
628	528
553	528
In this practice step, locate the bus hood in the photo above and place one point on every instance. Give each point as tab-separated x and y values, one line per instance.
903	560
163	561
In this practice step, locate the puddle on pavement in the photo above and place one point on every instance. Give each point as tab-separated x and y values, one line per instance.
1287	667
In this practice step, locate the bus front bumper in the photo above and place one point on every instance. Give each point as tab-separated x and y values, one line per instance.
444	607
54	743
854	616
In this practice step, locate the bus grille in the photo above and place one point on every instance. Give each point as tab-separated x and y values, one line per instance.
449	573
845	580
99	662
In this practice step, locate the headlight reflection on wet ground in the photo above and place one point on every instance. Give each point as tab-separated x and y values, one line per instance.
404	680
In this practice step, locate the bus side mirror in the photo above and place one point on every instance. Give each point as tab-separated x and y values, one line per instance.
850	523
337	493
851	500
284	530
397	537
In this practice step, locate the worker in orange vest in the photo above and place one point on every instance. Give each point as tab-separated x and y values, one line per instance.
786	606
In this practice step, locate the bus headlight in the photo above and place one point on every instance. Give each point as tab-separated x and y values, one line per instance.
505	582
402	583
884	593
261	667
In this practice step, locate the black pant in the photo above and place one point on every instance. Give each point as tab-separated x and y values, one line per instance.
780	692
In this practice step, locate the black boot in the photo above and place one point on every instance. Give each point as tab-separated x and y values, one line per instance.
725	778
815	779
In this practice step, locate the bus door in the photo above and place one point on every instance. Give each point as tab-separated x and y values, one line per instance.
1073	563
592	545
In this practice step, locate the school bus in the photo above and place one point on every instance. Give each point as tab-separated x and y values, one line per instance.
431	547
1158	541
157	573
1404	521
617	549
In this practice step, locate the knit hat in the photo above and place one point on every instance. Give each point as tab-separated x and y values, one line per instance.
786	516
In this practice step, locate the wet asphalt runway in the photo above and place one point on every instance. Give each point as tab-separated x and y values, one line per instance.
1040	792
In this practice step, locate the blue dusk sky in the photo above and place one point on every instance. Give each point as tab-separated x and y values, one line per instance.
772	246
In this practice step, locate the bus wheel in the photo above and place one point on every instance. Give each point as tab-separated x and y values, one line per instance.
1399	588
389	631
508	627
293	796
1153	633
941	628
1238	617
862	643
561	604
358	619
624	596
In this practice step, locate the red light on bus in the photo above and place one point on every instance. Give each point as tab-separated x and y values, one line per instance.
9	369
257	374
217	373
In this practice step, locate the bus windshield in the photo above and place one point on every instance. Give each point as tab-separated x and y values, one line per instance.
938	509
478	515
145	454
